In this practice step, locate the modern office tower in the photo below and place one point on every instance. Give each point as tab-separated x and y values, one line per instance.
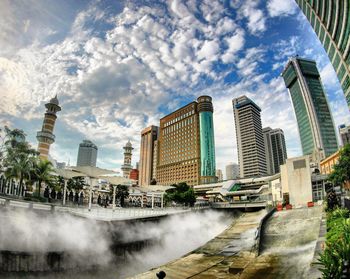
344	132
275	149
250	141
315	122
232	171
87	154
127	167
46	137
148	136
206	134
331	23
219	175
181	137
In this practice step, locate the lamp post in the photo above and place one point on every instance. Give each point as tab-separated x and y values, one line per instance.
114	190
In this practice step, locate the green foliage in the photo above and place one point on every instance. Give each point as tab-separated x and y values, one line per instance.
341	170
42	171
337	251
76	183
182	194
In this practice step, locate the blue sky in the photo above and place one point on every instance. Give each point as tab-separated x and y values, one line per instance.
119	66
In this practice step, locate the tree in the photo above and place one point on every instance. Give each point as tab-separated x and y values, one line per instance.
76	183
43	173
122	192
182	193
341	170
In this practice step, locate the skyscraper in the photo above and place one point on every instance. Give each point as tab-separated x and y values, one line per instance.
344	132
127	167
331	23
250	141
315	122
275	149
46	137
206	134
232	171
181	139
87	154
148	136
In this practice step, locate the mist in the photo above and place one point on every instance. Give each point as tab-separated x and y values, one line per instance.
88	243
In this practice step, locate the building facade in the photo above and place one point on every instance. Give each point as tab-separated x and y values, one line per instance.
127	167
219	175
182	141
232	171
344	132
46	137
249	136
148	136
87	154
315	122
275	149
134	175
331	23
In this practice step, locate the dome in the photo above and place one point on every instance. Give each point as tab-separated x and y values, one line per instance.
54	101
128	144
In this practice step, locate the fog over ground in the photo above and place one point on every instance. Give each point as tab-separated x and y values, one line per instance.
88	242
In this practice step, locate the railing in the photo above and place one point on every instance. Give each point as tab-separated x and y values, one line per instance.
239	204
99	213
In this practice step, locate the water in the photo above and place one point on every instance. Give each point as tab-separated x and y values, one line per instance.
89	243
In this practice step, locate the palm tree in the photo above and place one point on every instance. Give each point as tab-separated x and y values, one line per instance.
19	162
43	170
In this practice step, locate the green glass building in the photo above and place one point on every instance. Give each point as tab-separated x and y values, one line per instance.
207	144
315	122
330	20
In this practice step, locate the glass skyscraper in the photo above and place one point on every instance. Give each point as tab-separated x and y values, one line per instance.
330	20
315	122
206	134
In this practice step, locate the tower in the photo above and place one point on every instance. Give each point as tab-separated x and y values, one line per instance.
275	149
148	136
250	142
315	122
126	167
87	154
344	132
331	23
206	135
46	137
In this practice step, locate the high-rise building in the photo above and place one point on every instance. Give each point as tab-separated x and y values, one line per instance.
148	136
250	141
344	132
331	23
87	154
127	167
315	122
185	144
219	175
275	149
206	135
46	137
155	159
232	171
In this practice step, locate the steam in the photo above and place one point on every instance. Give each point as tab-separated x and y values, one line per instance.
89	242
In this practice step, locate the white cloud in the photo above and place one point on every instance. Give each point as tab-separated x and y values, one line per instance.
281	7
255	16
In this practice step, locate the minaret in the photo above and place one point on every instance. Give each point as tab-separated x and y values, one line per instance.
126	167
46	137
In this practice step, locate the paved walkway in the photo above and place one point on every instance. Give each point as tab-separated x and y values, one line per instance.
213	260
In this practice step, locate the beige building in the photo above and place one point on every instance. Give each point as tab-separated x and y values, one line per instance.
148	137
219	175
296	180
179	147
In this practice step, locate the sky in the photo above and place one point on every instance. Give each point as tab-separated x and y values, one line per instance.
119	66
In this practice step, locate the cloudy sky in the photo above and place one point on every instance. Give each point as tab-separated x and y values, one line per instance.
119	66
